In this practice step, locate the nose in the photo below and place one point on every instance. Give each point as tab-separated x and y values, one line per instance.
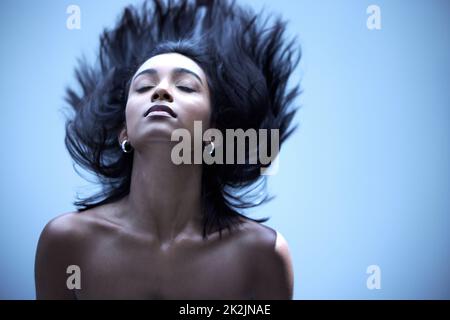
162	94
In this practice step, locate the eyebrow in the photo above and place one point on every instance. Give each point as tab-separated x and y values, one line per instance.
175	71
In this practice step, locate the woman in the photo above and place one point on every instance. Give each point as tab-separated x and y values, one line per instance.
160	230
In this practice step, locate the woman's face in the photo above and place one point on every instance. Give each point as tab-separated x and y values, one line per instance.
169	91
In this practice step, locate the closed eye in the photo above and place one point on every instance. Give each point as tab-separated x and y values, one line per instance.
186	89
143	89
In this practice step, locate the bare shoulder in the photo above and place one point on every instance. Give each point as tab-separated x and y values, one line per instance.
262	237
61	232
65	225
272	264
62	243
76	226
66	230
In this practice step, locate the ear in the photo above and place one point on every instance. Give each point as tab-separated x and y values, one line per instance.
123	134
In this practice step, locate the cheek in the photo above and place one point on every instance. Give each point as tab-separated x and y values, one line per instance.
133	112
196	110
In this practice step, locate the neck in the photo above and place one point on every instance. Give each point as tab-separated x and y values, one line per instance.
164	198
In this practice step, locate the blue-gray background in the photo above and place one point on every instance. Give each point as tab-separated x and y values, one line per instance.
365	179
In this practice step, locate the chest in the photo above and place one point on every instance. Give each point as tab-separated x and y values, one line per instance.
137	271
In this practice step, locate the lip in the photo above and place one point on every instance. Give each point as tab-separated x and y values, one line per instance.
161	110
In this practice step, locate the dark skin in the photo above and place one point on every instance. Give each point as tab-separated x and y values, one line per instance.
149	244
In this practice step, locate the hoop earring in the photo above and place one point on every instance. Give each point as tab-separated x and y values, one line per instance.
126	146
212	148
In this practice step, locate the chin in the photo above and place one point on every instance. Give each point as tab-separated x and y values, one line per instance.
157	131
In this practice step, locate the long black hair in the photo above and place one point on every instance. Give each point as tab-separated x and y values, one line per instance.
248	62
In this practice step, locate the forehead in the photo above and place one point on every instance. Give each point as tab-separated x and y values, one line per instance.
164	63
